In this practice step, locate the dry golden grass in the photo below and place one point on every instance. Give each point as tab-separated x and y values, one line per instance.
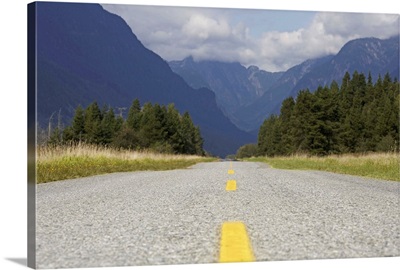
73	161
375	165
47	153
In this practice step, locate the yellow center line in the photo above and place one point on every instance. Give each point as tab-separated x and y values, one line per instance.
235	244
230	185
230	171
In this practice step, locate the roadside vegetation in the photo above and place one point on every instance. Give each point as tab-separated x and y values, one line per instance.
359	116
376	165
80	160
155	128
352	129
98	141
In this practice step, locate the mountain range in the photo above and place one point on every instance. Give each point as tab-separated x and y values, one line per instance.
248	95
234	85
86	54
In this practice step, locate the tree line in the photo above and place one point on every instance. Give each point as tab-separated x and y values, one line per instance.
156	127
358	117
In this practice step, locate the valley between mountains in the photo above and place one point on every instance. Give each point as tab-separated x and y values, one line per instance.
86	54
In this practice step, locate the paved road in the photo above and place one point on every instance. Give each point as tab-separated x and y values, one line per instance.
175	217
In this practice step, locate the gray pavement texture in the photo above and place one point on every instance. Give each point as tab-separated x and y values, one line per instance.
175	217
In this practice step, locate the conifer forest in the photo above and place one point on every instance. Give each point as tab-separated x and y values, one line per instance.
360	116
151	127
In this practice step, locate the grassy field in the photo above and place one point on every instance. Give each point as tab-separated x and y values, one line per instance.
380	165
67	162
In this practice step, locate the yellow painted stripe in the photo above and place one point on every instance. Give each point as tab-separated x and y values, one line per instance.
231	171
235	244
230	185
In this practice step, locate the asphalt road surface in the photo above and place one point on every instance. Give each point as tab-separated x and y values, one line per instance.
176	217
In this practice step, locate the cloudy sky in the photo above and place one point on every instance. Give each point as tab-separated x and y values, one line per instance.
272	40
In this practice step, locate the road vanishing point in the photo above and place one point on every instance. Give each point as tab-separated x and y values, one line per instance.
214	212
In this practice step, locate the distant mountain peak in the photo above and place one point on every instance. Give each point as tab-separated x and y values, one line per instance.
253	69
249	95
188	59
234	85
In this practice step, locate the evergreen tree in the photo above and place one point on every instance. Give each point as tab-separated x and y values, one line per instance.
358	117
161	127
269	137
68	135
126	138
286	142
147	123
78	125
134	116
55	137
188	132
369	92
333	120
198	142
107	127
325	112
303	121
119	122
261	140
92	123
173	122
155	127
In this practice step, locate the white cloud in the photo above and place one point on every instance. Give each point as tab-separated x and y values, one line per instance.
360	24
221	34
327	33
202	28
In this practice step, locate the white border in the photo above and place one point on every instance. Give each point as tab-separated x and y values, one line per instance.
13	147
